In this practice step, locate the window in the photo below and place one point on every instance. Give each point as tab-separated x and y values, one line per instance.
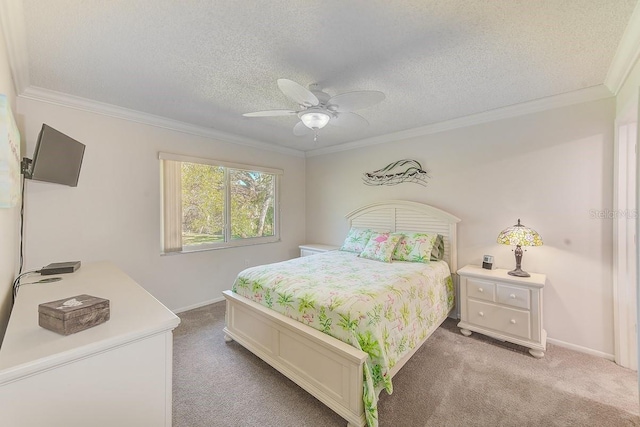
208	204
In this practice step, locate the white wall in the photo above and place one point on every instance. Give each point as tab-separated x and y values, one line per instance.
550	169
8	217
628	93
114	213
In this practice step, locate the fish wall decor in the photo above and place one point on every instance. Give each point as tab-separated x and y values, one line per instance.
395	173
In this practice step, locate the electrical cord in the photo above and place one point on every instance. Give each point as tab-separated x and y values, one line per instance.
22	224
16	283
47	280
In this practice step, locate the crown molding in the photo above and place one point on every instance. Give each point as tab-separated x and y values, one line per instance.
13	29
83	104
576	97
584	95
627	54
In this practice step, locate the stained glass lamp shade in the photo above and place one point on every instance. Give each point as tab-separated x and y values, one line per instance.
518	236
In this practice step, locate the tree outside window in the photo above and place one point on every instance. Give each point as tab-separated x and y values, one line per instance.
220	205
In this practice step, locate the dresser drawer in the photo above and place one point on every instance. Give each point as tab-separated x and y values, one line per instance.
480	289
515	297
502	319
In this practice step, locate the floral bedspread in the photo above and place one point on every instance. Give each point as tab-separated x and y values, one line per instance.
384	309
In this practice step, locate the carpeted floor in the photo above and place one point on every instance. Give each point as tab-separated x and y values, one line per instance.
451	381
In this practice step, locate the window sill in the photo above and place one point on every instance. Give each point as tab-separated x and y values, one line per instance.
228	245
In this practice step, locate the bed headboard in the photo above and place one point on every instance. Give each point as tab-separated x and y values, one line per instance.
399	215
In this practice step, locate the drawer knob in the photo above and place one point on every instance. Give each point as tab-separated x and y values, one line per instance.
513	321
481	314
480	290
512	296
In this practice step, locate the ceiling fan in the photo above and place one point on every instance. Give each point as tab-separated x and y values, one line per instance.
317	108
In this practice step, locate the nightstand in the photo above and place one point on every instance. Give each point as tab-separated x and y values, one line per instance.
504	307
316	248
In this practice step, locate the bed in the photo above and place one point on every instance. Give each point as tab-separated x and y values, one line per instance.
343	377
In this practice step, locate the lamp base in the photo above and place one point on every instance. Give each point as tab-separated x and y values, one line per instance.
519	272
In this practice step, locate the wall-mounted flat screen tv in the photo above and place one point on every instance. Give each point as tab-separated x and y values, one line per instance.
57	158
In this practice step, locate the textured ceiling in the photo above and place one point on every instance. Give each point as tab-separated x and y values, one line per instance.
207	62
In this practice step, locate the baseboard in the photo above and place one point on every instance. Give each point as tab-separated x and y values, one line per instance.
570	346
452	315
581	349
198	305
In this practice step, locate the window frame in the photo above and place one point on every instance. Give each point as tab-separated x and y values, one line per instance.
228	242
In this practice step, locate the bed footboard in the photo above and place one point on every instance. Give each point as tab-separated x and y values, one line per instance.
327	368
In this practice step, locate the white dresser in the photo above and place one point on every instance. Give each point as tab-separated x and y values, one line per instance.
502	306
118	373
315	248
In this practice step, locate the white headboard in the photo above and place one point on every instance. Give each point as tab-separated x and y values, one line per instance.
399	215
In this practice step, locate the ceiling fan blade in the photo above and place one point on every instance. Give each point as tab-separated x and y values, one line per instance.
297	93
348	120
271	113
350	101
300	129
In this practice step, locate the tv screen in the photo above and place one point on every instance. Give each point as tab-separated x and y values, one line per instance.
57	158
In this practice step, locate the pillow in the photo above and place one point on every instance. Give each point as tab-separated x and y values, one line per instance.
416	247
381	246
356	240
437	253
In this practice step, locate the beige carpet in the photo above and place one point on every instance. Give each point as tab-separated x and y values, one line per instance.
451	381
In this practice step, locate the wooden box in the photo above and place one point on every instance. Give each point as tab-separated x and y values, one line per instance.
74	314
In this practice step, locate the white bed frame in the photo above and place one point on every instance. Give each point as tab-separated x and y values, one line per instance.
329	369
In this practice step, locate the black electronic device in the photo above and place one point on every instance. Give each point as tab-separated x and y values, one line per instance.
60	268
57	158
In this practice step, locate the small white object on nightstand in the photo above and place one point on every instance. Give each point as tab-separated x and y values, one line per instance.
316	248
502	306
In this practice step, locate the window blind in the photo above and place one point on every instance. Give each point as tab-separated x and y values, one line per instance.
171	206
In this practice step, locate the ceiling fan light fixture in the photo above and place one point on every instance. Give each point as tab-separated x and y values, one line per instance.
317	108
315	119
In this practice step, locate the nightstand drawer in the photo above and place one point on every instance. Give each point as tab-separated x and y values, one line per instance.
506	320
480	289
516	297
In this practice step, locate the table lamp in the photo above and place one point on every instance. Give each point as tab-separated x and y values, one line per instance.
519	235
